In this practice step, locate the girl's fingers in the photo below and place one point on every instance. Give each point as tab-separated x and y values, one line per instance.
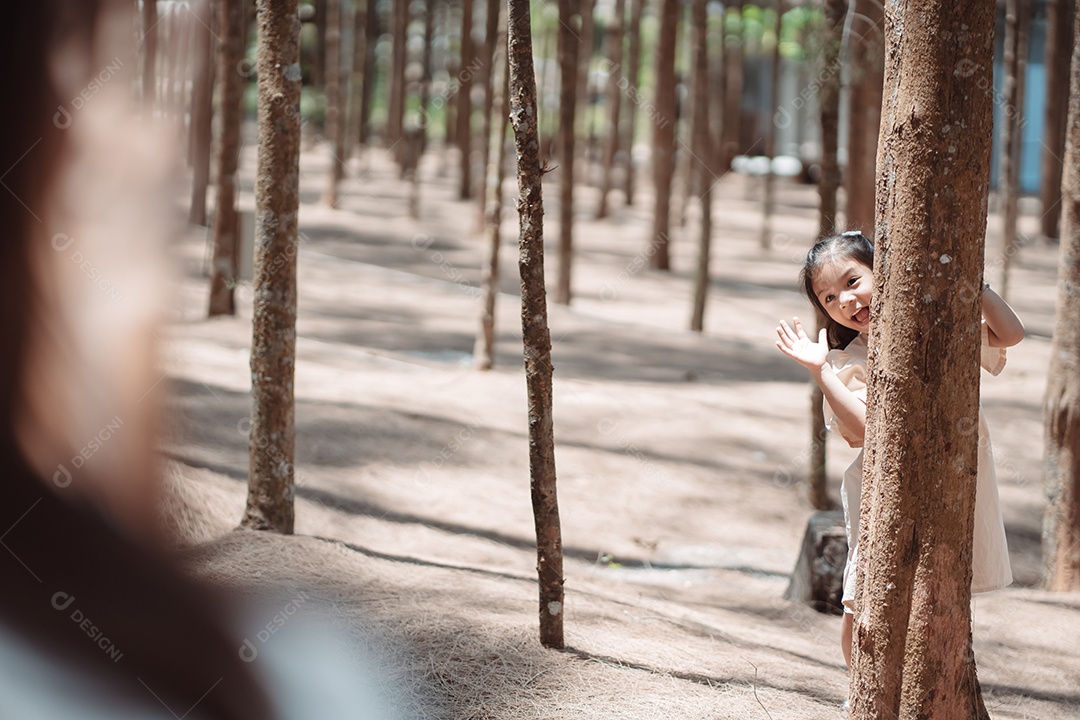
823	337
799	328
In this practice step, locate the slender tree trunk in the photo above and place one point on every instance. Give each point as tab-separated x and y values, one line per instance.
484	352
454	67
150	45
277	202
464	101
1017	22
768	206
202	111
569	42
614	103
718	93
631	77
1059	42
357	82
912	650
867	71
230	53
1061	462
336	89
491	30
703	160
535	333
172	62
185	69
318	65
371	33
426	78
581	93
733	68
663	154
395	109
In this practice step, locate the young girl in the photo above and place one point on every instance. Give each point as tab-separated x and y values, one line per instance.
838	277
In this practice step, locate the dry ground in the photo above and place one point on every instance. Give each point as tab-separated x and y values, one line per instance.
678	460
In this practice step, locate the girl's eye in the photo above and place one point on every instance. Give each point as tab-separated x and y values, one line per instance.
829	298
851	281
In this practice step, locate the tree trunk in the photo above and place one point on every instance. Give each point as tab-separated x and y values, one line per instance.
614	103
581	93
371	34
491	31
1017	22
277	201
569	40
202	111
172	64
230	54
631	76
702	156
484	352
426	77
357	81
867	69
335	102
318	65
535	334
1059	42
733	69
769	204
464	100
395	108
663	150
912	638
1061	463
150	44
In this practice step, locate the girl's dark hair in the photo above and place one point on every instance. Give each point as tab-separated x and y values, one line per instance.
851	245
75	586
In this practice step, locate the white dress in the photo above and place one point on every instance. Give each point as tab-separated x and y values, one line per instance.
990	561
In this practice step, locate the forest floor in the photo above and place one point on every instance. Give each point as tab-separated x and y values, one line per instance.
679	461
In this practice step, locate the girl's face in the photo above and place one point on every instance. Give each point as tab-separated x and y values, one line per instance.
844	287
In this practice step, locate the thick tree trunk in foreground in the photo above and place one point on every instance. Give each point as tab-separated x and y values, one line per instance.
535	333
912	655
704	163
631	76
1061	463
1059	42
569	41
614	105
484	351
663	149
769	204
1017	22
277	201
867	70
226	220
149	48
202	111
335	102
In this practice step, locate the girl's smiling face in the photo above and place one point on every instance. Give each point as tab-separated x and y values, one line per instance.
844	287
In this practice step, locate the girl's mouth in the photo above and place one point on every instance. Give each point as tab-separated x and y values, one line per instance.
862	316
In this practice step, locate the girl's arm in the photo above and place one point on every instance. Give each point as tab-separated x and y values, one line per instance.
849	409
1004	328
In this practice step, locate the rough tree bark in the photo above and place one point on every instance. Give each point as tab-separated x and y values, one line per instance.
663	150
1059	42
631	76
336	89
464	101
202	111
150	45
1017	22
614	103
1061	462
277	201
230	54
827	186
704	156
535	333
912	638
569	40
769	204
867	73
484	351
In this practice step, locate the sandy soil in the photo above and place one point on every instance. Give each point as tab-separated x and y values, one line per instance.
679	459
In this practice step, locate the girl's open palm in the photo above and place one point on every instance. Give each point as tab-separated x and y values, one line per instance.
798	346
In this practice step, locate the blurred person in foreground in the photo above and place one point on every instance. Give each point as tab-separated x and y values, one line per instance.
96	618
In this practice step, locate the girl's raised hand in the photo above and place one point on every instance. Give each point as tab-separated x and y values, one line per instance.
800	348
